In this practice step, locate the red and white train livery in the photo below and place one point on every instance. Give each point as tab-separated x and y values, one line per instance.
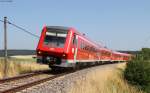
66	47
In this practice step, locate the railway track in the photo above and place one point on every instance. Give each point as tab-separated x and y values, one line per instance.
15	84
23	76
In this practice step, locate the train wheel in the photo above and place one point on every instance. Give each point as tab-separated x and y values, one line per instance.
76	67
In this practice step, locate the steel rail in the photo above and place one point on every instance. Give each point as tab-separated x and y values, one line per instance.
22	76
25	86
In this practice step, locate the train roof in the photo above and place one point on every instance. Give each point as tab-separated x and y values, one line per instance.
124	54
115	52
106	49
58	27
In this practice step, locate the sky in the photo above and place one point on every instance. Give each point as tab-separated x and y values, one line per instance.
117	24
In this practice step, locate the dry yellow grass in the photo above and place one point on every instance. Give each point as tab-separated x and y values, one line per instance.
104	81
18	66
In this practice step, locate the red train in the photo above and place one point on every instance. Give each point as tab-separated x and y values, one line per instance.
66	47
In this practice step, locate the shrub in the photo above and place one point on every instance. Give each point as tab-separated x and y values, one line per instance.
137	73
144	54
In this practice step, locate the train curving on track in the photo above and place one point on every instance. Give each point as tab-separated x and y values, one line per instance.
65	47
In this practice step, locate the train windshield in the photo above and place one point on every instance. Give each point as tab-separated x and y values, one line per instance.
55	38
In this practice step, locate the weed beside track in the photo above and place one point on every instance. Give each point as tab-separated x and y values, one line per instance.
20	66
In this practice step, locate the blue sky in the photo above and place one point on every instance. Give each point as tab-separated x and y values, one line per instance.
118	24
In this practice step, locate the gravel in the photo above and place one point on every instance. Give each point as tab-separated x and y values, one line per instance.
22	81
62	84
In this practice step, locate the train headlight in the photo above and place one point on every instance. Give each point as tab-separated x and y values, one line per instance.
64	55
39	52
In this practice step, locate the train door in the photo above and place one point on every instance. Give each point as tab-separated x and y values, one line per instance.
75	47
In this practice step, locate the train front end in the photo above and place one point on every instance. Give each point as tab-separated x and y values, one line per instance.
53	45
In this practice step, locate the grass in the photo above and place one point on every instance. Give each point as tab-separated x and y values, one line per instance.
104	81
20	66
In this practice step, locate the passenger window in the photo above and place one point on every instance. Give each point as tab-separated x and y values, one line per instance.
74	40
81	45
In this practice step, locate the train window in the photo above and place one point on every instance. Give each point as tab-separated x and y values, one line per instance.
86	47
74	41
55	39
82	45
